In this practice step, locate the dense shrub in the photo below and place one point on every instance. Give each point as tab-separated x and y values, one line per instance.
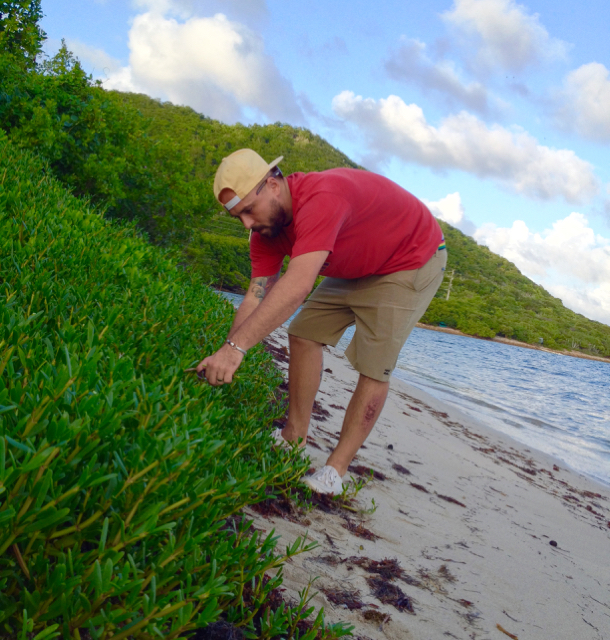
221	260
119	474
20	33
99	146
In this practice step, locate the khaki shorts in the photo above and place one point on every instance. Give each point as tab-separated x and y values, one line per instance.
384	309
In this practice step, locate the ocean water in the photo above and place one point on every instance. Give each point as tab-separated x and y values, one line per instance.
550	402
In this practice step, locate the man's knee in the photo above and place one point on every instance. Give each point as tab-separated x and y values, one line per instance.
304	343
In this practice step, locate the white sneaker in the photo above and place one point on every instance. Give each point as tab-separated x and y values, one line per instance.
325	480
278	440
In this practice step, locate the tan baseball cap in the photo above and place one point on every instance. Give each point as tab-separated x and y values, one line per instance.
241	172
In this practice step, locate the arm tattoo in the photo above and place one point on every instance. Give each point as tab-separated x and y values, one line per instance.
261	286
258	287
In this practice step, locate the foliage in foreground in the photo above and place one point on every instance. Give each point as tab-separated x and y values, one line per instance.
119	475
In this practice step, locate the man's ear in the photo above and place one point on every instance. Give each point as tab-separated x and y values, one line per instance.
275	184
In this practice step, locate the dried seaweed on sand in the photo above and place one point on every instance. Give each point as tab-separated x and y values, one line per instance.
389	593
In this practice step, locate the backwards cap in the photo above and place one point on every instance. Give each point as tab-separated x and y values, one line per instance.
241	172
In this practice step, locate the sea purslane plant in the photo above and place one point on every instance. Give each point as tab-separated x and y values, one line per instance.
121	477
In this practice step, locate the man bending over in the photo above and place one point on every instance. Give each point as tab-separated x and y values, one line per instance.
383	256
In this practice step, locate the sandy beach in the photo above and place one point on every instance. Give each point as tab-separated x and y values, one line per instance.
474	536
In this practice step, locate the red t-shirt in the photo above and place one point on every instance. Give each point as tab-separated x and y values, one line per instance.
370	225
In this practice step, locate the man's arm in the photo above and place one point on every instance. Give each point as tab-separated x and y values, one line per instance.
281	302
257	290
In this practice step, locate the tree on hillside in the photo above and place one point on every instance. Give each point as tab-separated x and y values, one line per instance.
20	33
97	145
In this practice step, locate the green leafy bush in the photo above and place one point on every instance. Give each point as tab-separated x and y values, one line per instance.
20	33
120	476
221	260
99	146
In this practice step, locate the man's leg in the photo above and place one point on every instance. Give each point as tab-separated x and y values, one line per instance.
360	418
304	372
385	308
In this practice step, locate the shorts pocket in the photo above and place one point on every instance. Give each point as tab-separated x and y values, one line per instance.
431	271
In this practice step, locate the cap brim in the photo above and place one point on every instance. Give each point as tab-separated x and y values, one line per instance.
275	162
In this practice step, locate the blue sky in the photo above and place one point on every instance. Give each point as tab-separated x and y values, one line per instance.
496	113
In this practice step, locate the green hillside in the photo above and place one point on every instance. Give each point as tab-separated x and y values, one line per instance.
215	243
208	141
489	295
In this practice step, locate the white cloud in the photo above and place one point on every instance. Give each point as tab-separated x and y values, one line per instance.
214	65
511	157
503	34
569	260
122	80
410	63
593	304
451	210
585	102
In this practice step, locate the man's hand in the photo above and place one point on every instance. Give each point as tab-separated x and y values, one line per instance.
220	367
256	322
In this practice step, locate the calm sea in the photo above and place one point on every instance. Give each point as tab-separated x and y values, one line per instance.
556	404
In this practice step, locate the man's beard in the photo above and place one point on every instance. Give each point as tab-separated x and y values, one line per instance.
277	222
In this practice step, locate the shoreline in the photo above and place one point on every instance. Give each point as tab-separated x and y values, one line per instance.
514	343
508	341
482	536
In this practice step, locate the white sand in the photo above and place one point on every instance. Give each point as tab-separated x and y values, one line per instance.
484	570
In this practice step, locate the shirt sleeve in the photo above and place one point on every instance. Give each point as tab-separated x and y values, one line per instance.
266	257
319	222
